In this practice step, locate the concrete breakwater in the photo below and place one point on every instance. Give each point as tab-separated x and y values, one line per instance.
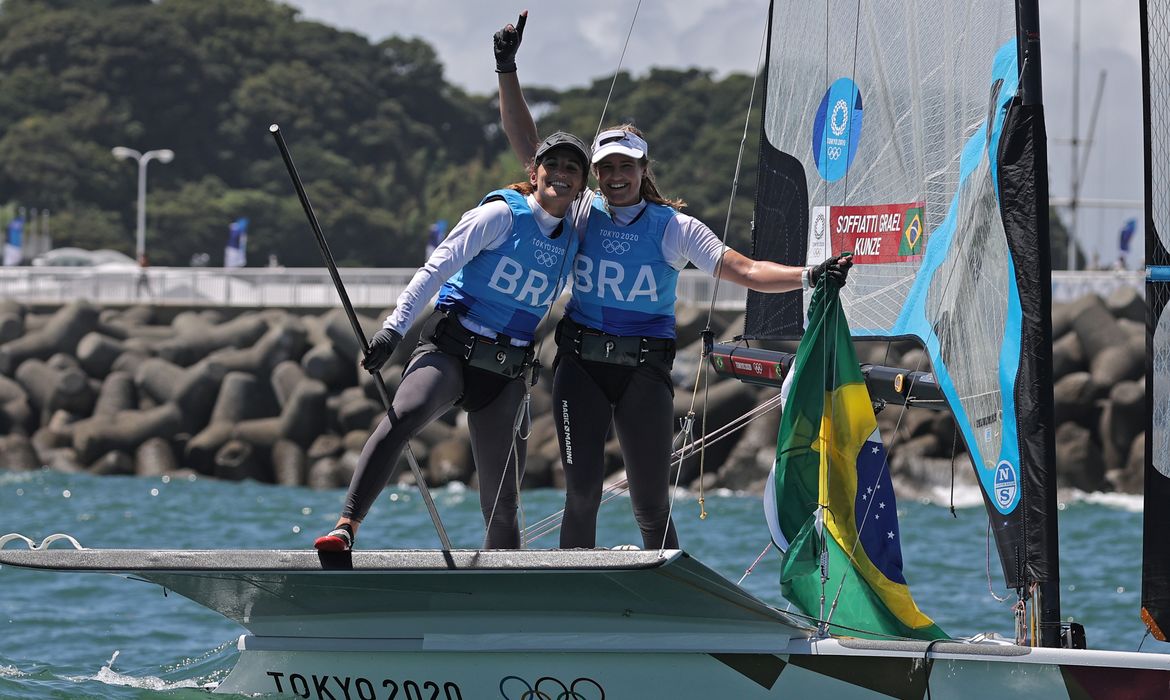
279	397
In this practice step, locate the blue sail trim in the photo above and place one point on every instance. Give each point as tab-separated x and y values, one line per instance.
913	321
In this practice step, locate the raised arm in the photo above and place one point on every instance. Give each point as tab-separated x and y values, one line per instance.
515	117
765	276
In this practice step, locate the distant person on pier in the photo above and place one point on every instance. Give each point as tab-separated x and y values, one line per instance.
14	241
496	275
143	281
435	235
235	253
616	343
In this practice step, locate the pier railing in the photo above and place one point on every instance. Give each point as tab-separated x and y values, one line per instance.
367	287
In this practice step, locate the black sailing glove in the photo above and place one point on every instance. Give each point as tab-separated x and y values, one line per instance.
381	348
836	267
506	42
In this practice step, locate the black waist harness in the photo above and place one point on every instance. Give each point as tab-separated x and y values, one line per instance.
496	355
627	350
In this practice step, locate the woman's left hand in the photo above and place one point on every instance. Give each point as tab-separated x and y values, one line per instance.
836	267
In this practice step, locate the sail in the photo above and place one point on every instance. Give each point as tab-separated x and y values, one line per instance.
830	501
1155	19
926	158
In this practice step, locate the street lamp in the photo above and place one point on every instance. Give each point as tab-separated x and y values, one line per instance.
164	155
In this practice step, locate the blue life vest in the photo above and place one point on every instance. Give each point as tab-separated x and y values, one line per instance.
622	284
510	287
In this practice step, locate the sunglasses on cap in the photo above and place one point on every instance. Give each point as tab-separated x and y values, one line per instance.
619	141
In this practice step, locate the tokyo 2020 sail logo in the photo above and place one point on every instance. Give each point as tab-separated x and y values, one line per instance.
837	129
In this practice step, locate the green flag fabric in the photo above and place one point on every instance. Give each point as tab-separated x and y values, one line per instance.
835	516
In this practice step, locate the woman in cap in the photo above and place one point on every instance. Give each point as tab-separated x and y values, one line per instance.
496	275
616	342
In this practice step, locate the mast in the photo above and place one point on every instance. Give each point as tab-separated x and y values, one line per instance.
1037	430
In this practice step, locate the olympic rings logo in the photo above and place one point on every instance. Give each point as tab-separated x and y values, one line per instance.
615	247
546	259
834	152
840	111
549	688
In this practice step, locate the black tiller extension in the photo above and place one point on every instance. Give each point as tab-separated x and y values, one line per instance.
361	336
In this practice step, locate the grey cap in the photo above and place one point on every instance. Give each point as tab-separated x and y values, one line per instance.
563	138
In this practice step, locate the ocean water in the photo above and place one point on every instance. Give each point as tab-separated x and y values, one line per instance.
104	636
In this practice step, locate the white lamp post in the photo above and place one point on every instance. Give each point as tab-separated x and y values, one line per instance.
164	155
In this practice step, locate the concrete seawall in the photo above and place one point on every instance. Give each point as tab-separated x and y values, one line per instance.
278	396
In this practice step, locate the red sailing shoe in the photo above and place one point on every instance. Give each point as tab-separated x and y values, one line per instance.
340	539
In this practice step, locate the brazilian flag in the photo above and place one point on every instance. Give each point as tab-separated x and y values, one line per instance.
913	233
831	502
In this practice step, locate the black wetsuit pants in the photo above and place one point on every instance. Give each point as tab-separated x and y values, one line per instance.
638	401
431	385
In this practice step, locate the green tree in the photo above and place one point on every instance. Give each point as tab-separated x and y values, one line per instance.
384	144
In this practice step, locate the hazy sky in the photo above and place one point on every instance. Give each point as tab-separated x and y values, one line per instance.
575	42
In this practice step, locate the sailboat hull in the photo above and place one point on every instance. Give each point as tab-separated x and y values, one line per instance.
798	672
533	624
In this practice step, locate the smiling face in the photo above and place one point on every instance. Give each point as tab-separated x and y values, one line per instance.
558	179
619	177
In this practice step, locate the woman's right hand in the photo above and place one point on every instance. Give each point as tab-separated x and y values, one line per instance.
381	348
506	42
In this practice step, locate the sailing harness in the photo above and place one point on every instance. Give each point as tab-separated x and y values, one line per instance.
497	355
593	345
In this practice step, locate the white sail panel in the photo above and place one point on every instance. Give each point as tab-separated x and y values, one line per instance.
901	104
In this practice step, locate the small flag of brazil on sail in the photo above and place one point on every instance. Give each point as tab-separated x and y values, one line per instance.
913	232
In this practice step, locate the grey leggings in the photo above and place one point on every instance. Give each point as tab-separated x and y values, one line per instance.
432	384
639	402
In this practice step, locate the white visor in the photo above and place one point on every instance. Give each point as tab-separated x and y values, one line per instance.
619	141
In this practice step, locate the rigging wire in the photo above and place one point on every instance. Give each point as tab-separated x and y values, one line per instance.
525	405
522	415
819	623
618	70
954	453
687	431
864	520
823	622
951	279
990	588
543	526
524	410
519	418
753	565
860	527
735	177
702	378
552	522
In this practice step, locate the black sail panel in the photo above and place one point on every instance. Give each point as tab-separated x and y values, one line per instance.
1155	21
1023	164
778	230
